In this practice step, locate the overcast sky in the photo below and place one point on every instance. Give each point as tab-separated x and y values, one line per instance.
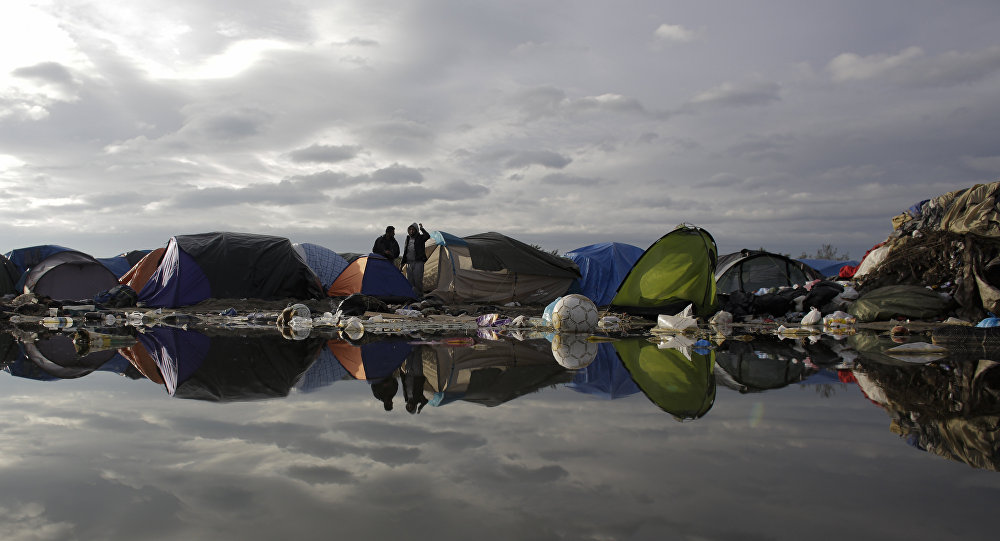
779	124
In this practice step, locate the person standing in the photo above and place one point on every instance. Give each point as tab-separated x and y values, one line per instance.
386	245
414	256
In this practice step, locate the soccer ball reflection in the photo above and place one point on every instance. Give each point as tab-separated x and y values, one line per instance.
573	351
574	313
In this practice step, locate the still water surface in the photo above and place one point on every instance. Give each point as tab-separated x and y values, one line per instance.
226	436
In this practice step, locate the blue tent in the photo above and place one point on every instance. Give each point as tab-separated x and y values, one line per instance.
606	376
375	276
828	267
603	266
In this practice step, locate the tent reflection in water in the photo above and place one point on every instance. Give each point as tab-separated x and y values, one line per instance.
225	366
501	372
605	377
680	381
372	360
766	363
54	357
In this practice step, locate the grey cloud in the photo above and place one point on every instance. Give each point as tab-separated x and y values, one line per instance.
361	42
283	193
543	474
116	199
232	125
397	174
324	153
545	158
989	164
411	195
321	474
560	179
382	432
912	66
722	180
399	135
607	102
321	181
761	148
549	101
730	95
51	72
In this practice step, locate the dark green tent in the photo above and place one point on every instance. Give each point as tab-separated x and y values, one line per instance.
677	270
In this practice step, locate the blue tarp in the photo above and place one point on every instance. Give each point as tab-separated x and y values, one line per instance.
118	265
603	266
828	267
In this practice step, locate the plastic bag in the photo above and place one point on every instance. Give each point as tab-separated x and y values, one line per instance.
814	317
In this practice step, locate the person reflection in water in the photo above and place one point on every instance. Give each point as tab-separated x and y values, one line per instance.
414	380
385	390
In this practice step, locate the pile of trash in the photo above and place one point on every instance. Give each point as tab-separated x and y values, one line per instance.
950	244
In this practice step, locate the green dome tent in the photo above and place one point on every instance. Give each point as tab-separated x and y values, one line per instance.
677	270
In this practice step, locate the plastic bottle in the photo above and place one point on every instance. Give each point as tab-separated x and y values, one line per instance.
57	322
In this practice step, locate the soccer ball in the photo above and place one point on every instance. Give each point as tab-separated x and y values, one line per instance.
573	351
574	313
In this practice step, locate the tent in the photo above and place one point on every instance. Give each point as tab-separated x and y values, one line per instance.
25	258
605	377
8	276
326	263
69	275
750	270
672	273
225	366
375	276
603	266
493	268
228	265
143	270
680	382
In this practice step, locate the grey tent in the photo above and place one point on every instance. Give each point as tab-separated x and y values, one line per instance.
69	275
750	270
490	267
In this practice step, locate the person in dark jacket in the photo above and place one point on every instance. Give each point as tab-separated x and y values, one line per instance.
414	256
386	245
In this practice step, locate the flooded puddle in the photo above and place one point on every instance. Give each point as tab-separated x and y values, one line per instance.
242	433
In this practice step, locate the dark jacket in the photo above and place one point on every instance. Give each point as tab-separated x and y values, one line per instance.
383	245
418	245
